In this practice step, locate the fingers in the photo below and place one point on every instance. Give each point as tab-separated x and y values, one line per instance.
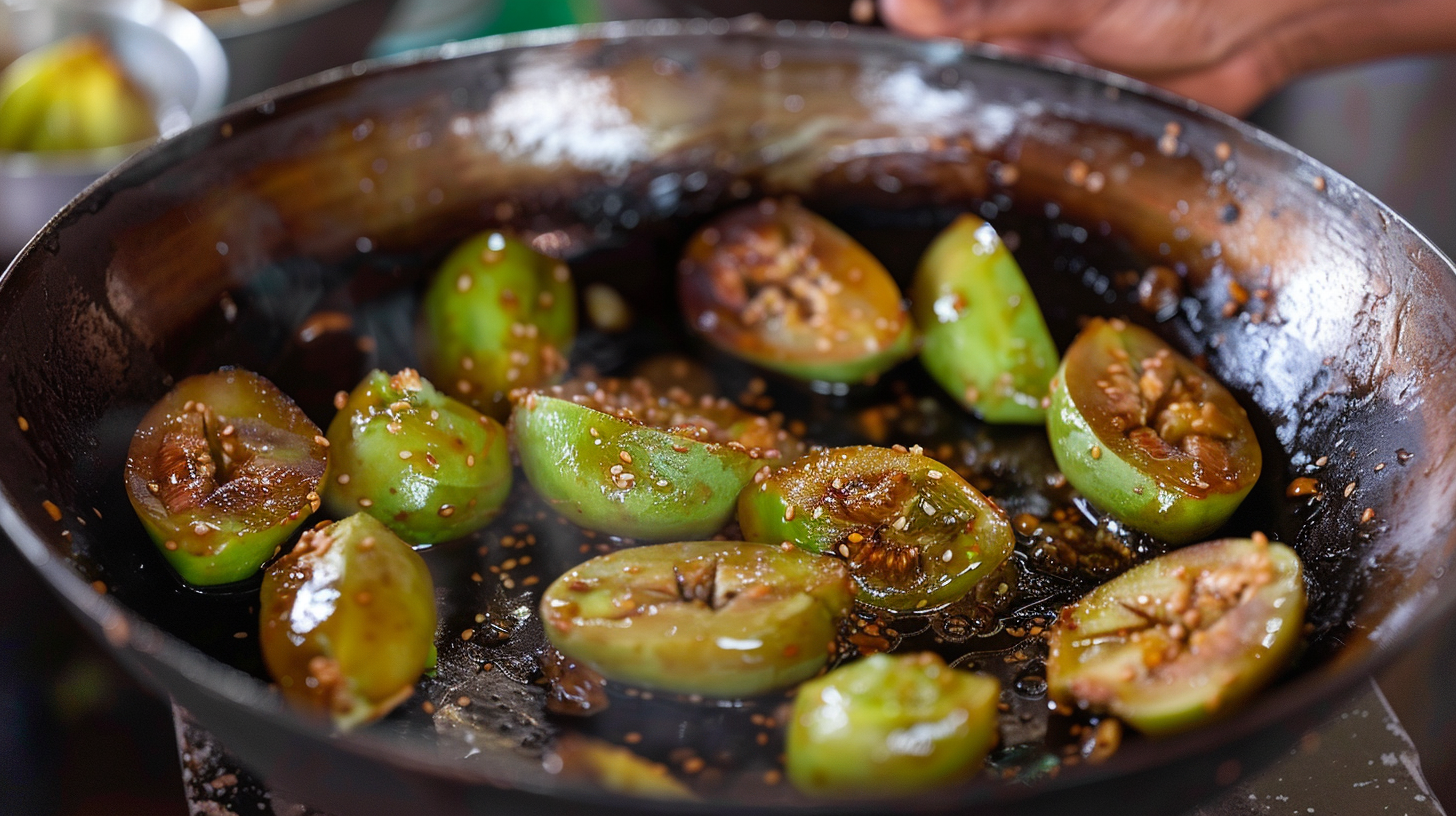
1337	34
1142	37
1236	85
1227	53
1058	47
988	19
922	18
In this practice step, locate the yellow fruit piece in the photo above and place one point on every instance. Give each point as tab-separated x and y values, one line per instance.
71	95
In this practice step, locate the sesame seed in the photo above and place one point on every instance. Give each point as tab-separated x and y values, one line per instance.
935	474
625	456
405	454
789	513
343	478
341	399
51	510
1096	452
1349	488
1366	516
23	423
947	556
366	503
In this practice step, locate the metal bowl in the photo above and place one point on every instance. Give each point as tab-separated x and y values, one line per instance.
215	246
164	48
269	42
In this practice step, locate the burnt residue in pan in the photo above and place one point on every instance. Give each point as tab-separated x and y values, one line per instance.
316	328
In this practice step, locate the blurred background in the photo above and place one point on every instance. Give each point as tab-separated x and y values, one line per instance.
77	736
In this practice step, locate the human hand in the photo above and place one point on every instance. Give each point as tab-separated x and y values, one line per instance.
1226	53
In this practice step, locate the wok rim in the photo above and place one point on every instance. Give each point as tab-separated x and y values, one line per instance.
1320	686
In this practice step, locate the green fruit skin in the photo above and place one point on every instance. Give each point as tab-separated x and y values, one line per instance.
985	340
355	596
680	488
455	480
23	105
764	515
768	620
1099	646
235	544
890	725
1129	493
498	316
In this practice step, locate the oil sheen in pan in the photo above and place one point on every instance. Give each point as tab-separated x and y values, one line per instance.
315	329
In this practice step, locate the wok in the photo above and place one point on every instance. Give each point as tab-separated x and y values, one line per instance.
613	142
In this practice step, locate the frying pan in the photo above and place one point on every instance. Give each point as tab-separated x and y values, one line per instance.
211	248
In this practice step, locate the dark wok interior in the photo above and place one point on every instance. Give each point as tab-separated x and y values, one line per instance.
215	247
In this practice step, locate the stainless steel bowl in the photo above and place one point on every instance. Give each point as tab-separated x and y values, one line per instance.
164	48
269	42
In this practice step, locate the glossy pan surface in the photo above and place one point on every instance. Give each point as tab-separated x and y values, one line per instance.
1345	344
